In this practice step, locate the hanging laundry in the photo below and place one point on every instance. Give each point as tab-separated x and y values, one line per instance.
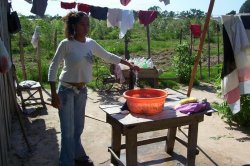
99	13
83	7
119	74
146	17
68	5
35	37
236	64
114	17
195	30
125	2
39	7
166	2
127	22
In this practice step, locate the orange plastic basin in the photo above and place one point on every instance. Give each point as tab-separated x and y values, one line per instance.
145	101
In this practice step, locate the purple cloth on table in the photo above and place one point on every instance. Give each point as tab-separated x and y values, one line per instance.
190	108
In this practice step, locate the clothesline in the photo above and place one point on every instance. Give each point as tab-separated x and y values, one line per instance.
123	2
124	19
103	11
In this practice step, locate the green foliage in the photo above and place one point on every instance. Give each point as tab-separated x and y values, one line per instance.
168	83
245	8
233	12
224	109
241	118
215	73
182	63
114	46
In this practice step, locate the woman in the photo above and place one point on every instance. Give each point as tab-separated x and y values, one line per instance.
76	51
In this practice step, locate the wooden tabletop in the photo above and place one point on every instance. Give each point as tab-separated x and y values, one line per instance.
168	112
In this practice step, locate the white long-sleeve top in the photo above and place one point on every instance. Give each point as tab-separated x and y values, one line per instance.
78	59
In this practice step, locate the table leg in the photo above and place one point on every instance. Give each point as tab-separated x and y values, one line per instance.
192	144
170	140
116	144
131	148
155	83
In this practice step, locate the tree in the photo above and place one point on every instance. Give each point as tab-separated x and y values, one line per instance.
233	12
155	8
245	8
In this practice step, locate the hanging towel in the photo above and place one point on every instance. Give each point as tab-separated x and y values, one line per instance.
235	74
118	73
127	22
68	5
83	7
125	2
39	7
114	17
99	13
146	17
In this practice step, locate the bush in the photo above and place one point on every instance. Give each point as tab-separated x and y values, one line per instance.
242	118
182	63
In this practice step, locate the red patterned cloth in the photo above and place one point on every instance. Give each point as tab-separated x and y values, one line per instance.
83	7
67	5
146	17
125	2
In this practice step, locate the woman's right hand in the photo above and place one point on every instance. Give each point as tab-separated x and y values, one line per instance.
55	101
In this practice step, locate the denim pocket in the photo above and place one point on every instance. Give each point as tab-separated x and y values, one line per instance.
62	89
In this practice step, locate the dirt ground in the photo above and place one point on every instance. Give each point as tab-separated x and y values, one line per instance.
218	143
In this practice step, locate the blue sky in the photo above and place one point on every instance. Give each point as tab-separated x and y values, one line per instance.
221	7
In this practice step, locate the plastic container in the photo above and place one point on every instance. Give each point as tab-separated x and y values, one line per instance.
146	101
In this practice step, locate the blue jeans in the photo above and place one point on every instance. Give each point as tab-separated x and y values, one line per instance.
71	114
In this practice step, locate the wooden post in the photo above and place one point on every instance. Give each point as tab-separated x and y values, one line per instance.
39	60
148	37
191	43
22	55
202	39
208	51
126	40
218	41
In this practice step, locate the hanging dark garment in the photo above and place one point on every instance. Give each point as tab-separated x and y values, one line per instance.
83	7
146	17
228	58
99	13
67	5
39	7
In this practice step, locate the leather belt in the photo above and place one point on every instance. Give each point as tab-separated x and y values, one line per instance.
76	87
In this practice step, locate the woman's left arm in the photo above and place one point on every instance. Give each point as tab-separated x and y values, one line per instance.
109	57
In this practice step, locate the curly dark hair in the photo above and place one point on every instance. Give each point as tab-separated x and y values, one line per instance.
71	19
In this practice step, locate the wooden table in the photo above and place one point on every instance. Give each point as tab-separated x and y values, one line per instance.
130	125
